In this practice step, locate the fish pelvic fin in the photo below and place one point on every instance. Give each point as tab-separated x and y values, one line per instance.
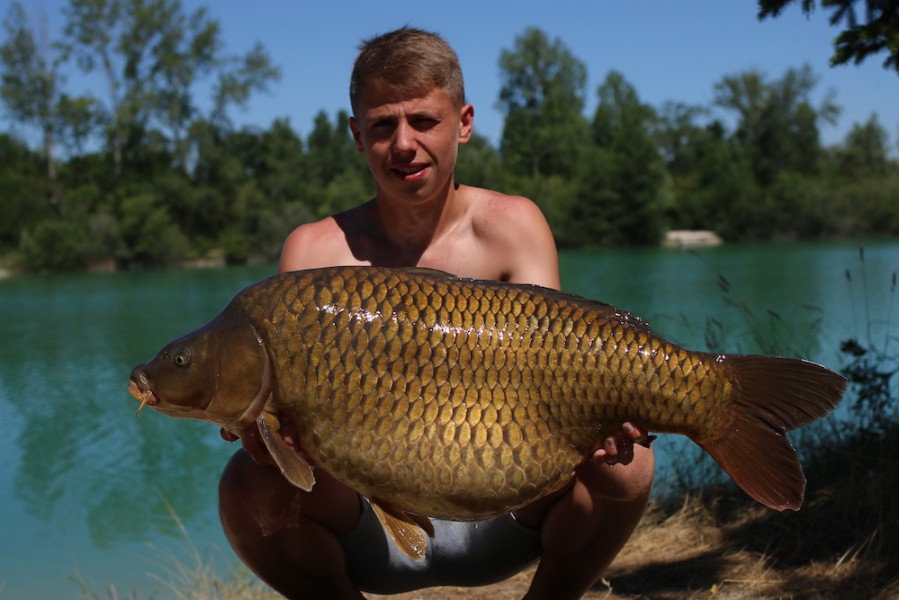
775	395
408	531
294	467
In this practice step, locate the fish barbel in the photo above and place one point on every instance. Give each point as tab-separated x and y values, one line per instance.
435	396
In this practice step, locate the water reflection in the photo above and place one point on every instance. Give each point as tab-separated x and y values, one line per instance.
69	344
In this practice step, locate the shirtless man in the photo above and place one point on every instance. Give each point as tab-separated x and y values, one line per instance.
409	116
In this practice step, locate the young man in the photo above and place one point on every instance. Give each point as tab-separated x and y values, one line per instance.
409	116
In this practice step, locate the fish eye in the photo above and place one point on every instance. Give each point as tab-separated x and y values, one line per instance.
181	358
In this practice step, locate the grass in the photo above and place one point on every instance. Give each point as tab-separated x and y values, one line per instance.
705	550
191	577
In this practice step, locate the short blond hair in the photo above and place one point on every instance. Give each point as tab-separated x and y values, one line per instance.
409	60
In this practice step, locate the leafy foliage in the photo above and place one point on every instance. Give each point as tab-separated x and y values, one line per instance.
542	94
145	176
875	32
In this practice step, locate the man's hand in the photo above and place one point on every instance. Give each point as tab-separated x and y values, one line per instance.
618	448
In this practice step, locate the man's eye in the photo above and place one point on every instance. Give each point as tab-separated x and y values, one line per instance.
424	123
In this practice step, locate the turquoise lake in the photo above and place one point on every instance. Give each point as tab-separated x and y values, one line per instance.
86	489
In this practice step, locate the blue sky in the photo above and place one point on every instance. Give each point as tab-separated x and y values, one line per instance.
666	50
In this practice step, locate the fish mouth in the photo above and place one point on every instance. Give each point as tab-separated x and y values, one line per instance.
143	394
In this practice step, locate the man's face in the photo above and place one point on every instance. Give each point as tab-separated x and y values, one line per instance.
410	143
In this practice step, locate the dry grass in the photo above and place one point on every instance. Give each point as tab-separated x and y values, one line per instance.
700	549
686	553
193	577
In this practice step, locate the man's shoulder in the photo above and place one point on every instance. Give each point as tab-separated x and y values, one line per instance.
314	244
314	232
494	209
515	236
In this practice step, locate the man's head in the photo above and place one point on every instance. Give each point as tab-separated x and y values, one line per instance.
409	61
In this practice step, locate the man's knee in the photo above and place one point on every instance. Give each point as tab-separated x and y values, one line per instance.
235	471
238	481
255	499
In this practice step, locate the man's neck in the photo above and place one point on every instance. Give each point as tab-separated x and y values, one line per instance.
410	229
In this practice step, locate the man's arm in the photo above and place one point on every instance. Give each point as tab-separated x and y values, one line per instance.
523	238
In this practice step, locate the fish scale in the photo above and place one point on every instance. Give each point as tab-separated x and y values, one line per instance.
423	322
436	396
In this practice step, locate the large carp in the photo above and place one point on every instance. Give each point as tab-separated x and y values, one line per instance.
436	396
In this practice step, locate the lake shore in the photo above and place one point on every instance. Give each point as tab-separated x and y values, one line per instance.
688	555
700	549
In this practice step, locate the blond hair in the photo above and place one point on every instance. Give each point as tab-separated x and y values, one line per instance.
410	61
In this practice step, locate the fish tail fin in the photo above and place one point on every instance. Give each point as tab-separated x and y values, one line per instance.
774	395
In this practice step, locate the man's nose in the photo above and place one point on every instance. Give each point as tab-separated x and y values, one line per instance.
404	138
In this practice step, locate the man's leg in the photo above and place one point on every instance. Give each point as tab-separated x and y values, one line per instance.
583	530
288	537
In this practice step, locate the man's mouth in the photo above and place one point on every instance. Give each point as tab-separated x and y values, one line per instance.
411	173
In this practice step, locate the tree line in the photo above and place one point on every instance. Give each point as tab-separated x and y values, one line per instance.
144	176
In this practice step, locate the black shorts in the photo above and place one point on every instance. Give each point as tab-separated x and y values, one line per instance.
460	554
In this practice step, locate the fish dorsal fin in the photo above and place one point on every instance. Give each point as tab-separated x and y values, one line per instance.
408	531
613	313
293	466
428	272
618	314
609	311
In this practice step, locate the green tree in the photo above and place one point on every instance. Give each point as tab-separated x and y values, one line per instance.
678	133
30	87
338	174
150	236
542	96
21	182
865	150
860	193
712	183
262	182
272	200
621	187
331	149
876	32
278	163
479	163
777	122
153	57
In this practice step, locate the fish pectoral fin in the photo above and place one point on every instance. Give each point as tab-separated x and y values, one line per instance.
294	467
408	531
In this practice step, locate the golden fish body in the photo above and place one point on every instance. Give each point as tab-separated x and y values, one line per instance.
461	399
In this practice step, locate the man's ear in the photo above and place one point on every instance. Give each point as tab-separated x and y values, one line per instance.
357	135
466	122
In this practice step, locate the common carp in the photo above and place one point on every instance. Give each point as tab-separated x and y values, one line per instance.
437	396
